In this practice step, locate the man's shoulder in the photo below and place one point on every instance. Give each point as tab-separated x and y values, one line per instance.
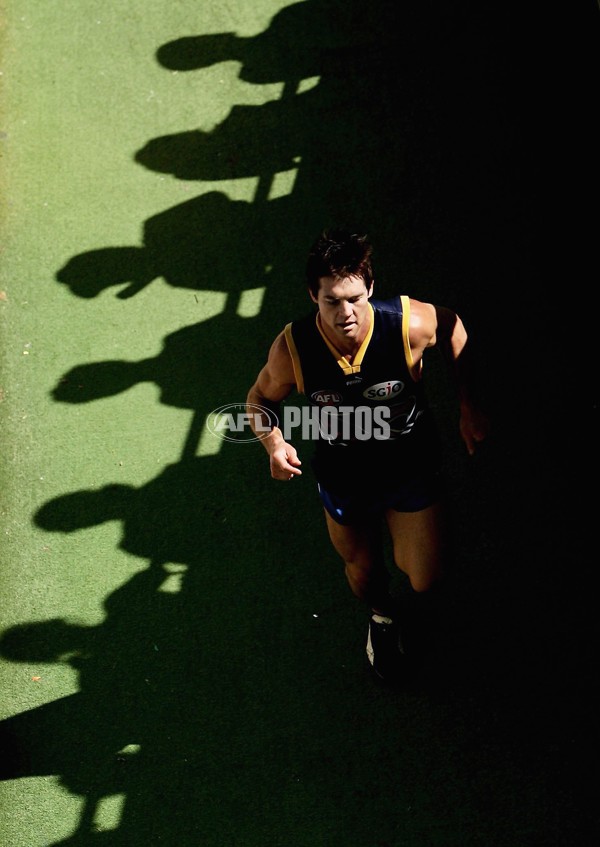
393	304
307	321
307	316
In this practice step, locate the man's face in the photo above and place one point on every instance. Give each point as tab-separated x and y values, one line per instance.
344	308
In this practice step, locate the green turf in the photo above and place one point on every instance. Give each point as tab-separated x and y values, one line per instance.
181	662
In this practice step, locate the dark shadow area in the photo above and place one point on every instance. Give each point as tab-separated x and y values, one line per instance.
207	243
200	367
434	129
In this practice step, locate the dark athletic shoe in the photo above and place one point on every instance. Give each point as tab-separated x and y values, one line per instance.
384	648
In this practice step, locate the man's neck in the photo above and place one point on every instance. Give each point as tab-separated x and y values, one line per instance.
346	347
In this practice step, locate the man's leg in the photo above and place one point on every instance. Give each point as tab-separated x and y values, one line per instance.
419	544
420	548
360	548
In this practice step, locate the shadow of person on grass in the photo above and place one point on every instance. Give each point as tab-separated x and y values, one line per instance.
185	681
200	367
208	243
298	42
364	82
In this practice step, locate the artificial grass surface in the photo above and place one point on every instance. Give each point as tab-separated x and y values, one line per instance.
181	662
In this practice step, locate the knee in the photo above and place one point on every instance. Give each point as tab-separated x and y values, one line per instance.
424	581
357	574
352	552
421	584
423	569
368	583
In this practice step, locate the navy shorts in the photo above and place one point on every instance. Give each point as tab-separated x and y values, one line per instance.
410	496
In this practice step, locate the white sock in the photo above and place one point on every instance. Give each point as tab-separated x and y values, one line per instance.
381	619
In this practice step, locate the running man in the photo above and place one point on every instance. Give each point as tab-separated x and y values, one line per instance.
360	364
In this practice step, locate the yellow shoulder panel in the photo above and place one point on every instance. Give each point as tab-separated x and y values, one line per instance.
405	329
295	358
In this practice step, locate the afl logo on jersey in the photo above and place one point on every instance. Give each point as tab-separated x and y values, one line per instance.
326	397
382	391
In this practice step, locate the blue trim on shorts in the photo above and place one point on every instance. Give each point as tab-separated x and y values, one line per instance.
413	496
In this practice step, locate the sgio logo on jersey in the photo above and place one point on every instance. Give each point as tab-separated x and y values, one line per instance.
382	391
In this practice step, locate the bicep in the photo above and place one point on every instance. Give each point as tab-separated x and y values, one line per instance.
276	379
435	325
450	330
423	326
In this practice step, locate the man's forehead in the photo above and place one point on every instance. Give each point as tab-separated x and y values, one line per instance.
341	287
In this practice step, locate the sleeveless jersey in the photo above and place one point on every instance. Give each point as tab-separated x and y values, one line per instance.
374	421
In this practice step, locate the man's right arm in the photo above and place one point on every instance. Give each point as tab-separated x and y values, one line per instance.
274	383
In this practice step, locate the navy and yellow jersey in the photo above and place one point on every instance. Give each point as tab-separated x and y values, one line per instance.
379	375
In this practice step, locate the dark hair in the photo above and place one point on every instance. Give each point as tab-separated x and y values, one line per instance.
339	253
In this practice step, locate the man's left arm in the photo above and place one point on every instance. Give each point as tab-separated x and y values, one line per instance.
439	326
453	341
